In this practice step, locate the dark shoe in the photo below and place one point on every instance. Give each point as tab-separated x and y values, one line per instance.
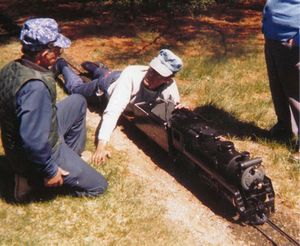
22	189
89	66
92	66
58	66
280	133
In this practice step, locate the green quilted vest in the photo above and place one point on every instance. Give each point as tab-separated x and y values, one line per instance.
12	77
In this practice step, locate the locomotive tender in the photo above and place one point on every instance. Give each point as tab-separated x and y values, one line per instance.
234	175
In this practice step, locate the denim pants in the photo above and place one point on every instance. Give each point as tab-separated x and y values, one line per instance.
283	70
102	79
83	180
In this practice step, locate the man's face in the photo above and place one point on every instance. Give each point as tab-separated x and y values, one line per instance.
49	56
153	79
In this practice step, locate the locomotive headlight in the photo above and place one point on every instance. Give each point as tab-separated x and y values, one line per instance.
260	185
252	177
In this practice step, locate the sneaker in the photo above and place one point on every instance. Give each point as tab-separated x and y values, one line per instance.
22	189
280	133
92	66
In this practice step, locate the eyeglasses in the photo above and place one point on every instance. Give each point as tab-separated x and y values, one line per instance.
58	50
55	49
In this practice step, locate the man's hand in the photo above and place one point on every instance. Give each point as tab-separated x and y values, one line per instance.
101	153
291	42
181	106
56	180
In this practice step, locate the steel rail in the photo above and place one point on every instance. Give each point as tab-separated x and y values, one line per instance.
266	235
287	236
277	229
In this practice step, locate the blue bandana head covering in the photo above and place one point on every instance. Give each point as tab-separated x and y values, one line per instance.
36	34
166	63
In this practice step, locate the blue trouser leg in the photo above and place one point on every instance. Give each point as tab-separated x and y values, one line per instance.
102	80
75	85
71	121
100	73
83	179
105	81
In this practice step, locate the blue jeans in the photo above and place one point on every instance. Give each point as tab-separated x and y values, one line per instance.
102	79
83	180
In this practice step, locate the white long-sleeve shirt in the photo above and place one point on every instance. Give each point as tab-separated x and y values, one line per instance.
128	90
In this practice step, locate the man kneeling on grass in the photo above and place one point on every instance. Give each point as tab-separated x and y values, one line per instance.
43	140
123	89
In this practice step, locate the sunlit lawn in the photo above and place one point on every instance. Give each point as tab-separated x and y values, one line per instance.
122	216
234	84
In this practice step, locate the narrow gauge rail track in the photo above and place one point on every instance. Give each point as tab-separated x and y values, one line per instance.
275	235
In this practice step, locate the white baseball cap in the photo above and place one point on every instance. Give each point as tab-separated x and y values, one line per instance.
166	63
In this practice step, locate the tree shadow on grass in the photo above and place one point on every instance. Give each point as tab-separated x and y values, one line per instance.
227	124
8	28
83	19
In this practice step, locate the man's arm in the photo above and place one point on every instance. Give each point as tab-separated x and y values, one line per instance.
118	101
34	112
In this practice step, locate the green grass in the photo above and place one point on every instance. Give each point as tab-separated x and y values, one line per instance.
9	51
233	86
121	216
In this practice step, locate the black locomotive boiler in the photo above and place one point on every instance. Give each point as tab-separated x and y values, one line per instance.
234	175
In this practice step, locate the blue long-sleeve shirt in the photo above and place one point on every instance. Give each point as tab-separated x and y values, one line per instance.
281	20
34	112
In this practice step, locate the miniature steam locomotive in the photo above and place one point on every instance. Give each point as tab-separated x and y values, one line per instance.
238	178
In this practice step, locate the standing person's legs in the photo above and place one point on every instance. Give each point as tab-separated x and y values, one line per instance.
280	100
287	65
289	72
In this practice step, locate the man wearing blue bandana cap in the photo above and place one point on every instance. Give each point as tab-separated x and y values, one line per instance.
123	89
42	139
